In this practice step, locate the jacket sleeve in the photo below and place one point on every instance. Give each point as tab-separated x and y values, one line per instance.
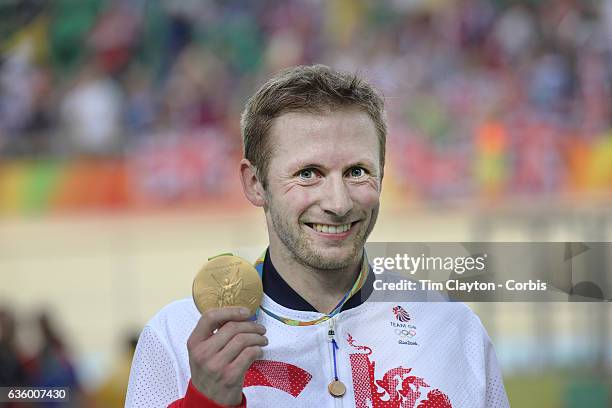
496	392
195	399
481	364
153	377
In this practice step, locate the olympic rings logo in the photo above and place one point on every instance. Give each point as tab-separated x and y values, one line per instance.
405	333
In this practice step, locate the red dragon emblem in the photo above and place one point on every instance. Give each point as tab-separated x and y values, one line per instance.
397	389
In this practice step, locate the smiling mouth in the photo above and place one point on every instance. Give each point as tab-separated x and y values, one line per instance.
331	229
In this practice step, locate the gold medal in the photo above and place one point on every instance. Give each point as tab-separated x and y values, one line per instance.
227	280
336	388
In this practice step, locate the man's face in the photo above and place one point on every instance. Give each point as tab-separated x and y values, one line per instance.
322	195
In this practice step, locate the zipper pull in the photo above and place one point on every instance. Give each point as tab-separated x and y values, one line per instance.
336	388
331	332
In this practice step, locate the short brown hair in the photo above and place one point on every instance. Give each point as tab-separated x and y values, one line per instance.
309	89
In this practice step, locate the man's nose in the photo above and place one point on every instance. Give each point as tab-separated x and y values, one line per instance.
336	198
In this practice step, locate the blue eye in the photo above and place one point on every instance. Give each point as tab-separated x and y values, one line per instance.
357	172
306	174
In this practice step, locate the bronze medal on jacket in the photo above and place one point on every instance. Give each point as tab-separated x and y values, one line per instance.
227	280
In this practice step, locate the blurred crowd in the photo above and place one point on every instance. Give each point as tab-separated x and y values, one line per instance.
34	353
497	96
47	364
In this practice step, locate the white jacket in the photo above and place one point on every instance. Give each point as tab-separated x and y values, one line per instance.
400	355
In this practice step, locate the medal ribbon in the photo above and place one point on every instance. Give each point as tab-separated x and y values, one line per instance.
363	274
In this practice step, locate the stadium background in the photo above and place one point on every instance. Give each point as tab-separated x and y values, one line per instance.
119	141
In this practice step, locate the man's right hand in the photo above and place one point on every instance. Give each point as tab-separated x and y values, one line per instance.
219	359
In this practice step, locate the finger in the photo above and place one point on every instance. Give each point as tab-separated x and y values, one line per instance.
230	330
213	319
244	360
237	344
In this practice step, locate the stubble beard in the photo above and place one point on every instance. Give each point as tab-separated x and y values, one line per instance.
302	248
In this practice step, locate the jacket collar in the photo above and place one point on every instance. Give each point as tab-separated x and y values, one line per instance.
280	292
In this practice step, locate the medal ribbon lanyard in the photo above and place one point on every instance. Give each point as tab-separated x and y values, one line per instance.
336	388
363	274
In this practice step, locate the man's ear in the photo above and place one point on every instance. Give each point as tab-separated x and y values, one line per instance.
251	186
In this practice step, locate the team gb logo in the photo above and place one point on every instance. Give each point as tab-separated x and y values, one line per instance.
401	314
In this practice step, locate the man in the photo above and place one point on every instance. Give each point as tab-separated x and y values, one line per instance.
314	144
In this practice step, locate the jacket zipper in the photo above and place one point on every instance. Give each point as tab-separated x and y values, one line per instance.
331	337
